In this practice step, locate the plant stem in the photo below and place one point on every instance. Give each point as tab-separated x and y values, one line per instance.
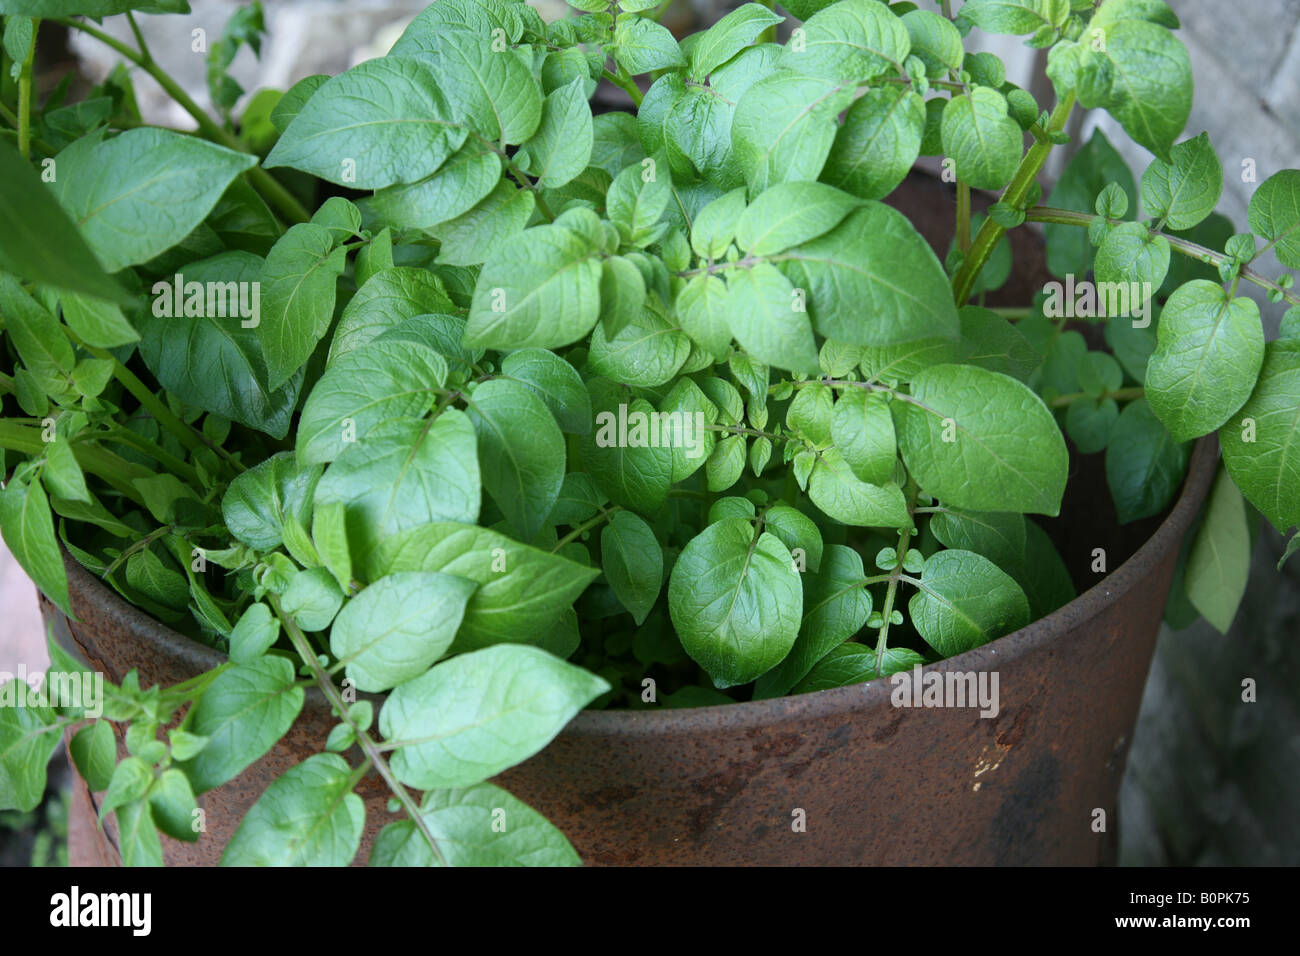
1119	394
623	80
1068	217
270	187
364	740
605	515
904	542
1014	196
25	96
963	218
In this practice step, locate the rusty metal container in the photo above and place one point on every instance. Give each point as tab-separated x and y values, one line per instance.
839	776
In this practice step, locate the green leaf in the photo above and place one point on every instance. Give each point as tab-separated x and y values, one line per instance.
714	226
459	184
784	126
94	750
984	143
647	351
257	502
521	452
298	281
1275	215
1144	465
396	628
28	529
541	289
872	280
27	742
494	90
620	458
253	636
172	805
767	318
475	236
405	473
474	715
642	45
965	600
1185	190
878	143
935	41
735	600
521	590
1130	254
556	383
1013	17
788	214
998	536
137	835
1043	575
840	494
863	431
312	598
372	384
1218	565
1261	445
1096	164
720	42
306	817
796	531
294	99
836	605
992	342
40	340
96	321
243	712
954	439
156	176
214	360
62	475
703	309
851	664
561	147
386	301
481	825
636	201
42	243
1208	354
385	121
689	413
633	563
853	40
1151	89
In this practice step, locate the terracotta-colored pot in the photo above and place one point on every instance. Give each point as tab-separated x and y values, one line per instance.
876	784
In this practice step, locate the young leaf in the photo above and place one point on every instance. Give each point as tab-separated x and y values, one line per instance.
1275	215
840	494
1096	164
718	44
853	40
784	126
256	631
642	45
256	503
965	600
878	143
1208	354
459	184
561	147
1130	254
953	438
788	214
94	750
863	430
397	627
626	467
767	320
556	383
735	600
474	715
633	563
386	301
983	141
307	817
27	742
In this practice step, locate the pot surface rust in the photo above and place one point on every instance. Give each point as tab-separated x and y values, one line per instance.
876	784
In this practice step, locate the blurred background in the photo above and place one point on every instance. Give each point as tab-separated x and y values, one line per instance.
1211	780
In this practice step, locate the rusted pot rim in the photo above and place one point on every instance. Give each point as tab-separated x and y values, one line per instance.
742	716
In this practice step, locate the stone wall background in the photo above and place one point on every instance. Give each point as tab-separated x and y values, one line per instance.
1210	779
